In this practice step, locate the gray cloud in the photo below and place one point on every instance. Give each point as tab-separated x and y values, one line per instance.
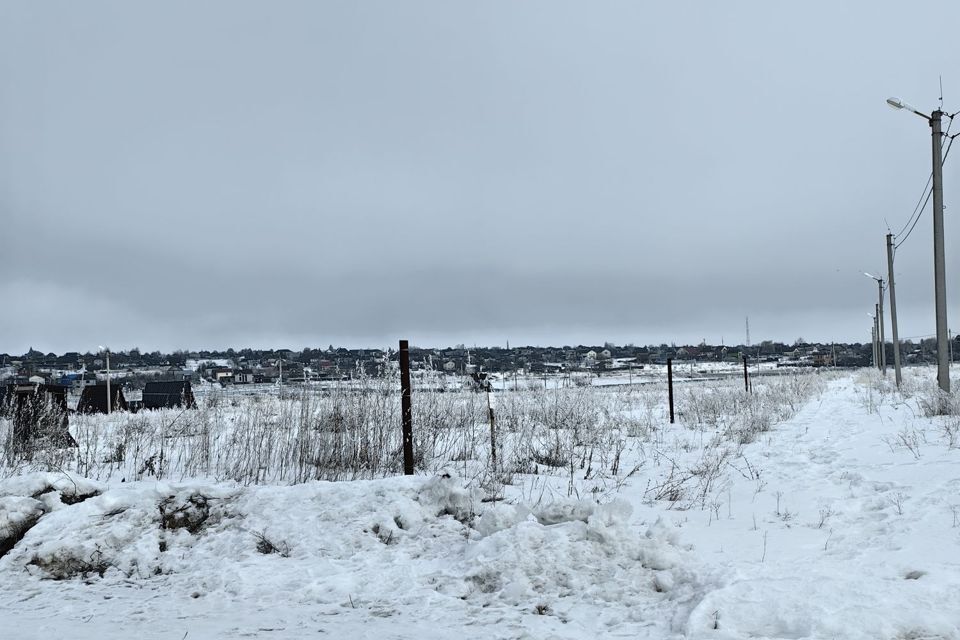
236	173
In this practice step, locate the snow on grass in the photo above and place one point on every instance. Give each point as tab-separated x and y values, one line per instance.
368	549
816	507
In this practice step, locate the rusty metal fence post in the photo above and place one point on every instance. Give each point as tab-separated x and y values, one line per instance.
405	408
670	386
746	375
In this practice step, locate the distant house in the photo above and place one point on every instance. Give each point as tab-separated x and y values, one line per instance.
94	399
79	380
223	375
244	376
169	394
822	359
177	373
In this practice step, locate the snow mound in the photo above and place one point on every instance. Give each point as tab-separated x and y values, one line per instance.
70	489
569	554
381	546
17	515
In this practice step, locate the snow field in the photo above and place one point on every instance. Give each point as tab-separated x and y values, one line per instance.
819	506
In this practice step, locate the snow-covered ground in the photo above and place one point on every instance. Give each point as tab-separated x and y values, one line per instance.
624	376
841	521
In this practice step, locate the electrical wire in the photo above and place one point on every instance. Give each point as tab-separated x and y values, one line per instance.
924	196
916	219
927	192
931	335
926	199
916	209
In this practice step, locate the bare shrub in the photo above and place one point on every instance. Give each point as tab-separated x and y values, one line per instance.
65	565
351	430
267	546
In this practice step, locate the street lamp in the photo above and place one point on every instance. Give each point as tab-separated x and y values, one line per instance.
897	103
939	268
883	340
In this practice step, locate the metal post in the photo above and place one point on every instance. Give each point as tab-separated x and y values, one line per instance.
746	375
873	342
939	262
493	434
405	408
109	399
893	310
670	386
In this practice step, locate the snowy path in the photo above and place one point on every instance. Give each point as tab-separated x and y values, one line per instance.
846	538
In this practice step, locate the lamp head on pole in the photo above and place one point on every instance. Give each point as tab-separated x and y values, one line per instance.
873	277
897	103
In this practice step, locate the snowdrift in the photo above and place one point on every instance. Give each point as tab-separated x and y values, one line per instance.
358	551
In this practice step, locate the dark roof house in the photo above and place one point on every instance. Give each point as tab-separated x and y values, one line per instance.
94	399
169	394
39	416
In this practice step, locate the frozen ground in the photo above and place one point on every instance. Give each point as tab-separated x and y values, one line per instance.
842	522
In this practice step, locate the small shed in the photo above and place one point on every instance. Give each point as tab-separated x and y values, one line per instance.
39	416
169	394
94	399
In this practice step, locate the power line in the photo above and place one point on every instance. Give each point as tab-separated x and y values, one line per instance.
917	219
927	192
917	208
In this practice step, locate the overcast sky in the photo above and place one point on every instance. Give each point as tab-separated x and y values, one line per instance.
287	174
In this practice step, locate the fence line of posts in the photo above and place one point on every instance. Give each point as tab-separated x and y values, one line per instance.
407	412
